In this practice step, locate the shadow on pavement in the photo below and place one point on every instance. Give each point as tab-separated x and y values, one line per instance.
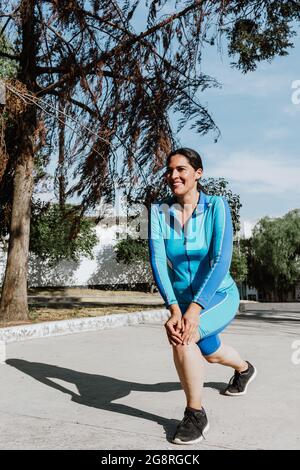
72	303
220	386
99	391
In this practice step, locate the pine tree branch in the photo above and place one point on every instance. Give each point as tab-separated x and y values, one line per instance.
105	56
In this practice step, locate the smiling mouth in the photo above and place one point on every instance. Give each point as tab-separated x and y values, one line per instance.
174	185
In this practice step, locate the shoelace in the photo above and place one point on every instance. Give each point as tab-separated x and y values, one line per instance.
235	380
189	416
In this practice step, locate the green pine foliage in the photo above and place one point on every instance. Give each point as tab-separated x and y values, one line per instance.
239	267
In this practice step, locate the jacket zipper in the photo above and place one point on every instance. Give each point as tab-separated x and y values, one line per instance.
188	259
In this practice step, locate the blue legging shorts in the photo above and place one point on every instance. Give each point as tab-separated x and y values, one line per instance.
215	317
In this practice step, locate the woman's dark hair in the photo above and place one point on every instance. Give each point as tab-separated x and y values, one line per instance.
193	158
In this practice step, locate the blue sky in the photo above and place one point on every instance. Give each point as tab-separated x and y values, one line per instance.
258	151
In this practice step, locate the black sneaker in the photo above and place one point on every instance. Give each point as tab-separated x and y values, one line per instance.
240	380
191	429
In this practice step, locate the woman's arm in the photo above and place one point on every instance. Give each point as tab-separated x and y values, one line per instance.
158	258
222	243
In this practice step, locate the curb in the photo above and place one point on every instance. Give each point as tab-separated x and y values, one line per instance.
14	334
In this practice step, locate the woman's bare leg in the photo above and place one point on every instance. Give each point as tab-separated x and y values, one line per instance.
189	364
228	356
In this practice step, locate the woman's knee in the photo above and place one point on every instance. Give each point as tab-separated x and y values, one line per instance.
182	348
214	357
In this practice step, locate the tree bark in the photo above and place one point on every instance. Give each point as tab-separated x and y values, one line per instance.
61	155
14	305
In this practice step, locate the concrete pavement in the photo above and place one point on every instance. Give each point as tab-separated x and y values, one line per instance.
118	389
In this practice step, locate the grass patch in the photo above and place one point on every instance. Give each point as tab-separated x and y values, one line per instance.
42	314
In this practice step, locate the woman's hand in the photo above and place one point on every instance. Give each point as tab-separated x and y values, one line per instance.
190	323
173	327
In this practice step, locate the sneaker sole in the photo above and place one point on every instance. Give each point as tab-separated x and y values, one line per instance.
195	441
245	391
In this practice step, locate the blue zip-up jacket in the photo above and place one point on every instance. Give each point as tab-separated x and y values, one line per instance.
191	263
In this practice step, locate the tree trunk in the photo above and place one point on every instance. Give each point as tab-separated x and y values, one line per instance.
61	156
14	305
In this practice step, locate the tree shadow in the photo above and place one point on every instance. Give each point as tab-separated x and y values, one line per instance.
99	391
109	271
76	302
40	273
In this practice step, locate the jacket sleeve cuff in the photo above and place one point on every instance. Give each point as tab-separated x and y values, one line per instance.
203	303
167	304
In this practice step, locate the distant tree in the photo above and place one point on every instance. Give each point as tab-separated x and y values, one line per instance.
238	268
133	252
50	234
273	255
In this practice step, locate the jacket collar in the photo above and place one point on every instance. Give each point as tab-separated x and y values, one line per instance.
199	209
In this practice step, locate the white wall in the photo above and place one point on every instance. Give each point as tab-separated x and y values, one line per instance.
103	269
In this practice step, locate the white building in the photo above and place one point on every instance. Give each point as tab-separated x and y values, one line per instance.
103	270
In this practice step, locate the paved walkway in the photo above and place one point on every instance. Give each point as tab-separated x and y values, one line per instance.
118	389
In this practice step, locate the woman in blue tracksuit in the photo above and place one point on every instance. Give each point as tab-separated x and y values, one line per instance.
190	248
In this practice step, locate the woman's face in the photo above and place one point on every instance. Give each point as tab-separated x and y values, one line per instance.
181	176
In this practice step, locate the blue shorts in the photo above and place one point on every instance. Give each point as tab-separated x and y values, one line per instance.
215	317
